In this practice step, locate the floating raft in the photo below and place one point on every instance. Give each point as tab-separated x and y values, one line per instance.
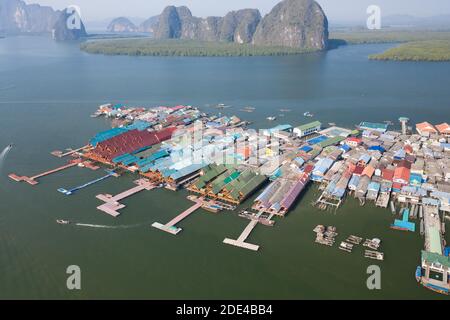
375	255
344	246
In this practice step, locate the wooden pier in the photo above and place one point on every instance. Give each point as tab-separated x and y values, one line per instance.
33	180
240	242
112	205
170	226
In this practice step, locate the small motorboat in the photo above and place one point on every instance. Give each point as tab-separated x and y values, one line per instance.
308	114
60	221
271	118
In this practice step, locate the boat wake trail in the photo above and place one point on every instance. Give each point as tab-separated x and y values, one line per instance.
87	225
3	155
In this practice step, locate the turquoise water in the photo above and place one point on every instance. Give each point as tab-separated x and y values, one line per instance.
47	92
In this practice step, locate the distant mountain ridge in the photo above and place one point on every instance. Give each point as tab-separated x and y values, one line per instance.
291	23
17	17
122	24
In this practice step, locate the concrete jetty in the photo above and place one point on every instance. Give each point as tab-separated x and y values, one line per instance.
112	205
170	226
240	242
33	180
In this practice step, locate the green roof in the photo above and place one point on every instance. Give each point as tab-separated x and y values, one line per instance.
331	141
431	257
310	125
252	185
220	182
210	172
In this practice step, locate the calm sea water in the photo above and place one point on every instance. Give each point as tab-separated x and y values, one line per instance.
47	92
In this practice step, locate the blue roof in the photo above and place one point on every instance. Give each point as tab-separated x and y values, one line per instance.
306	148
139	125
354	181
400	154
365	158
106	135
374	186
187	171
345	148
377	148
316	140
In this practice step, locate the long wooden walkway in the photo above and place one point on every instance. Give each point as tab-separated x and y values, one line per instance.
170	226
33	180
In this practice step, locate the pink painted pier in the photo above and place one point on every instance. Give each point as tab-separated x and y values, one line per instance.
33	180
112	205
60	154
170	226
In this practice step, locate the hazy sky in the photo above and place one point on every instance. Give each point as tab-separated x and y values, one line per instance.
349	10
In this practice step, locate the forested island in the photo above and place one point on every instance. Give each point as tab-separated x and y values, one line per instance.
172	47
364	36
428	50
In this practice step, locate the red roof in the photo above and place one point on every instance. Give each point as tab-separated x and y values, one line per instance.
308	168
359	170
396	185
408	149
387	174
402	173
130	141
354	139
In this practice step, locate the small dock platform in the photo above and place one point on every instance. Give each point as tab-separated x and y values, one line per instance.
33	180
240	242
112	205
170	226
61	154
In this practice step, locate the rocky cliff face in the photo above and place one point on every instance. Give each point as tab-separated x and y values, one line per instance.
18	17
294	23
240	26
291	23
61	32
179	23
149	25
122	24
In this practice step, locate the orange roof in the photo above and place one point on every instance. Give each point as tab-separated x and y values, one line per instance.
368	171
443	128
402	173
426	127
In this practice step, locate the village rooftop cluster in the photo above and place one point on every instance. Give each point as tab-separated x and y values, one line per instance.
228	163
